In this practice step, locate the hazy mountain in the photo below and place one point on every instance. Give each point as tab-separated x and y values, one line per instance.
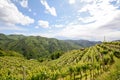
84	43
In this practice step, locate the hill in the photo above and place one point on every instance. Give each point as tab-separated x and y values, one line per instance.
99	62
84	43
34	46
10	53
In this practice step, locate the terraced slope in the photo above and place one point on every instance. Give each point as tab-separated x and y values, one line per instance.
99	62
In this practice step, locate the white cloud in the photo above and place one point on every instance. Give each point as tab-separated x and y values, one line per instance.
49	9
42	23
72	1
88	1
24	3
10	14
49	35
59	26
74	31
87	19
36	27
89	32
11	27
103	20
100	11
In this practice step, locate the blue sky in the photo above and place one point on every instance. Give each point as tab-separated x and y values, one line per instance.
61	19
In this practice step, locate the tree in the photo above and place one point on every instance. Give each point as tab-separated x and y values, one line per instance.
56	55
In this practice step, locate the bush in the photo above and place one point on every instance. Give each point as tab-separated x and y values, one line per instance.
117	54
104	52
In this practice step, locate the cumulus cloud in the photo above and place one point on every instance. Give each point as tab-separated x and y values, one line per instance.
59	26
11	27
24	3
42	23
100	11
103	20
72	1
9	13
88	1
89	32
49	9
36	27
113	25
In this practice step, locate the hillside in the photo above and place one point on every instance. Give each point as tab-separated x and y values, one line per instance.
99	62
84	43
34	46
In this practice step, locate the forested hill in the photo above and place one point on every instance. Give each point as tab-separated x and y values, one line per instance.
34	46
84	43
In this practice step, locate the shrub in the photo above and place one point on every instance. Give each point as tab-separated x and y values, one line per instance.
117	54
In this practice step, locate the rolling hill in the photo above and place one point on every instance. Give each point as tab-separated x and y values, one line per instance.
37	46
99	62
84	43
34	46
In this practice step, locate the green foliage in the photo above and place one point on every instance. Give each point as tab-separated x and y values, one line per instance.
104	52
34	46
106	60
40	76
56	55
10	53
12	67
117	54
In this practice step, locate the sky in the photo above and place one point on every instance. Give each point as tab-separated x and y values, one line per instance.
62	19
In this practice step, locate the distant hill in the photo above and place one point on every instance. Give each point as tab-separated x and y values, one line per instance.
34	46
84	43
37	46
117	40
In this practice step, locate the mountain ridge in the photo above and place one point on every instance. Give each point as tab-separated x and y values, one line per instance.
37	46
84	43
34	46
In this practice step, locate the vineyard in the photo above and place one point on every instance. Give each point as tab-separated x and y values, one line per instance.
99	62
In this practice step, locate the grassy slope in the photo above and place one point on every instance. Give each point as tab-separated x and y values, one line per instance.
13	66
78	57
113	73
